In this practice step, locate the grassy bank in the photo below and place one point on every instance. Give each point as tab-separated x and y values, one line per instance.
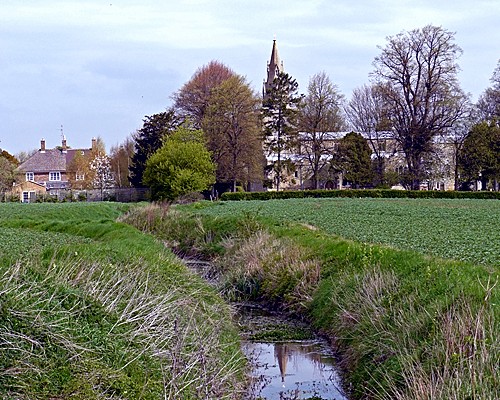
407	325
91	308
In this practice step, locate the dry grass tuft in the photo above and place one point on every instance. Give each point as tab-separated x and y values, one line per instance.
262	266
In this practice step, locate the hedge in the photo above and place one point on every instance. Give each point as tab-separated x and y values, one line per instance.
376	193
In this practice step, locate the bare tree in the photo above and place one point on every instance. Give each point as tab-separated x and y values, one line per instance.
121	159
368	115
22	156
418	71
489	102
192	100
320	115
79	174
232	127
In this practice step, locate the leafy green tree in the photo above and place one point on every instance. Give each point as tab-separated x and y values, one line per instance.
353	159
320	114
148	139
182	165
280	118
479	158
232	127
418	73
8	164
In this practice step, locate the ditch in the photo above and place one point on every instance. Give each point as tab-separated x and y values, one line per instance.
289	361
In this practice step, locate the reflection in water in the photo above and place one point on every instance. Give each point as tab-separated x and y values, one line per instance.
295	370
281	353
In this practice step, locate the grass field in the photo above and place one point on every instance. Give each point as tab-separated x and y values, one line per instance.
91	308
467	230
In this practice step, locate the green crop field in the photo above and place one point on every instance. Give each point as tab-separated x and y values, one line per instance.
467	230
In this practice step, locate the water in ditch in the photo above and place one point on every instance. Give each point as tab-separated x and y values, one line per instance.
289	361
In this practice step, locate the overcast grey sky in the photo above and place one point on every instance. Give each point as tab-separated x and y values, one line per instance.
98	67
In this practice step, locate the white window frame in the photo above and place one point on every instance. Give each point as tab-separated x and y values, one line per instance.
27	195
55	176
79	176
30	176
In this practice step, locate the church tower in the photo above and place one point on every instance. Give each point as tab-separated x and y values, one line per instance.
274	66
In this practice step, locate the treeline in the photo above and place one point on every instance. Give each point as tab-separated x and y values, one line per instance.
414	100
254	140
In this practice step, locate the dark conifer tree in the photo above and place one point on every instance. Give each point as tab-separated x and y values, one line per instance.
148	139
353	159
280	113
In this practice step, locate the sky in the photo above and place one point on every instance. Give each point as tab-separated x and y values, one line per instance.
96	68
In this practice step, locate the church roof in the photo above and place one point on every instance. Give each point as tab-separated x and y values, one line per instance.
275	65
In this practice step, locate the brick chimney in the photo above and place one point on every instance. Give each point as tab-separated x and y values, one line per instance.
94	144
64	145
42	145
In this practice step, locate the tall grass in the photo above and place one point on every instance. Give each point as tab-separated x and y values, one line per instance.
404	349
406	326
115	317
246	259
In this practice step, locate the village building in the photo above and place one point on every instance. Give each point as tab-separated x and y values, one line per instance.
49	171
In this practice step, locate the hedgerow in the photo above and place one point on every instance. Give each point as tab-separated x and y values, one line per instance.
359	193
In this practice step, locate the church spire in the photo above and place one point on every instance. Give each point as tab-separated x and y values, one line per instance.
274	66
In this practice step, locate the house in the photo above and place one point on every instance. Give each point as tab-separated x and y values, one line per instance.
50	171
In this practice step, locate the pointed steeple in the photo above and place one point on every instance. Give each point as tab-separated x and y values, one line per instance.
274	66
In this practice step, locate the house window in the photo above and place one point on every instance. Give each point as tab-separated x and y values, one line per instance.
28	197
30	176
80	176
55	176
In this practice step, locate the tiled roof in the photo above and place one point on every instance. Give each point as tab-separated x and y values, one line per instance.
70	155
49	160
